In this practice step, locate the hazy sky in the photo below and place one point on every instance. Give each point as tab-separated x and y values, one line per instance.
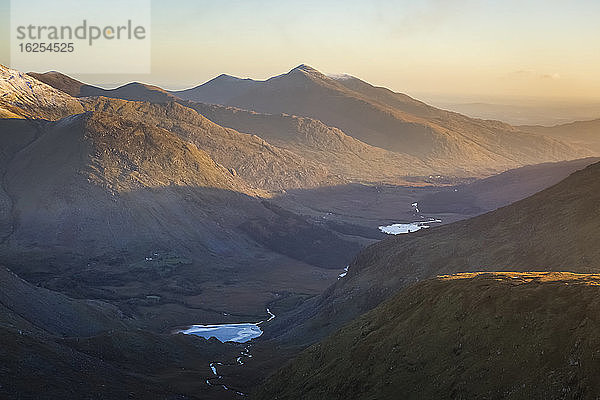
535	48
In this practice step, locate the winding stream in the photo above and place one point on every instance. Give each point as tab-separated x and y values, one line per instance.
237	333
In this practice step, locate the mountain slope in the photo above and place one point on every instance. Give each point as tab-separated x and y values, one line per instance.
554	230
28	307
376	116
581	133
253	159
341	154
394	134
96	183
476	336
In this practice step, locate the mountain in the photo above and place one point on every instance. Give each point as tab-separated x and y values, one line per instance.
147	206
553	230
26	97
258	162
443	140
580	133
321	146
393	134
131	91
469	336
218	90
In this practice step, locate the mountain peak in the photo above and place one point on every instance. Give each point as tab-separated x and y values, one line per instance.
227	77
341	77
305	68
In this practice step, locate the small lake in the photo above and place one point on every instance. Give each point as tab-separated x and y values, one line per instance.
238	333
399	229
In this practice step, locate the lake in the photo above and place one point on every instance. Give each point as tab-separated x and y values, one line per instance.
239	333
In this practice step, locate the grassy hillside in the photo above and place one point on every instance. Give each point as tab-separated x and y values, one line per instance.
468	336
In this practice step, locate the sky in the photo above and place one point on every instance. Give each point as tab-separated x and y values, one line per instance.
511	48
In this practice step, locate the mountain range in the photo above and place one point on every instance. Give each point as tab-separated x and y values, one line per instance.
393	133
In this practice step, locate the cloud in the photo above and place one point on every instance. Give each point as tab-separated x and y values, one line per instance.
554	76
403	17
528	74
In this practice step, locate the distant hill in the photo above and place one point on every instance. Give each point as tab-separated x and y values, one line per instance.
499	190
581	133
218	90
469	336
75	88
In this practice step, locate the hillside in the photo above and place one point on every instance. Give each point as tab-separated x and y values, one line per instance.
499	190
311	139
253	159
554	230
96	194
581	133
54	346
443	140
31	308
112	365
468	336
